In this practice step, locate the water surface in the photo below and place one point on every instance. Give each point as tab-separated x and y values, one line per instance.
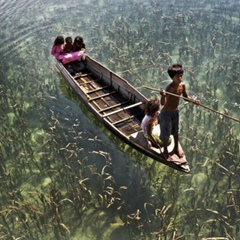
64	176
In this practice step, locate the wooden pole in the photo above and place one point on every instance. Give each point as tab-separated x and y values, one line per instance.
191	100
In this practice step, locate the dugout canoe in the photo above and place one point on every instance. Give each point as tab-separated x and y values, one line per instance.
117	104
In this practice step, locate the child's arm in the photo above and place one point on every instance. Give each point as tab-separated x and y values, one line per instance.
150	132
185	94
163	97
53	50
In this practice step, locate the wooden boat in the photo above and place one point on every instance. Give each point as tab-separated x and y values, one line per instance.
118	105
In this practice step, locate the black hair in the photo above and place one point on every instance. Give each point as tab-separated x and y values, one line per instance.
152	106
59	40
175	69
78	40
68	40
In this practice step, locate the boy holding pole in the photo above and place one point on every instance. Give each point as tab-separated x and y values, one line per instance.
169	115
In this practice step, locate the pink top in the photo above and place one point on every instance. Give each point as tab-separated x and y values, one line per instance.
72	56
56	51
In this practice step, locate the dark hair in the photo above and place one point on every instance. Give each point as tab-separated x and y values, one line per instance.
152	106
78	40
59	40
175	69
68	40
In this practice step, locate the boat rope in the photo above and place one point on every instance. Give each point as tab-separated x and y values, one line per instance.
193	101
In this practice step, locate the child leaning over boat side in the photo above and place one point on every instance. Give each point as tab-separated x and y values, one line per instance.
65	58
149	121
68	46
169	115
57	48
72	56
78	44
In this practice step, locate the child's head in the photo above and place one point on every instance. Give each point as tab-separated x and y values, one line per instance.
153	106
68	40
175	69
78	40
59	40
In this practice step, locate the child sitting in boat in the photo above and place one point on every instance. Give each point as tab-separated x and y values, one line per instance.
150	121
57	48
68	46
78	44
65	58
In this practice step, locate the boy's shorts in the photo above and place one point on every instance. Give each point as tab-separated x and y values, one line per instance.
169	124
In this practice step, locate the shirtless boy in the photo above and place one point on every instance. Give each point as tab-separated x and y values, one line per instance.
169	115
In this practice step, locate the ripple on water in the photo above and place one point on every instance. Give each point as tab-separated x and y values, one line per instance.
21	26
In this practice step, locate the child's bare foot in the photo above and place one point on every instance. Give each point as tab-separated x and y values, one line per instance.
149	144
179	152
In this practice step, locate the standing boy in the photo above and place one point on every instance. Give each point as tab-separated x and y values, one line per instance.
169	116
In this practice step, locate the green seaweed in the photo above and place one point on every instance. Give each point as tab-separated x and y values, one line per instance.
64	176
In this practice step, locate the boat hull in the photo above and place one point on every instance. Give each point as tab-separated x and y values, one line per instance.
118	105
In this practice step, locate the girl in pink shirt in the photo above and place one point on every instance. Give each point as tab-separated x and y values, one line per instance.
57	48
57	51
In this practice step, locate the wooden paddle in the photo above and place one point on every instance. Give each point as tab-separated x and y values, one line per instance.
193	101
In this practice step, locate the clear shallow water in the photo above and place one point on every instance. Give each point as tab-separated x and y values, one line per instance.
66	177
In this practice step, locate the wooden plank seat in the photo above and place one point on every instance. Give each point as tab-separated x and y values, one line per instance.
122	109
89	82
101	96
77	76
126	119
109	102
114	106
98	89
